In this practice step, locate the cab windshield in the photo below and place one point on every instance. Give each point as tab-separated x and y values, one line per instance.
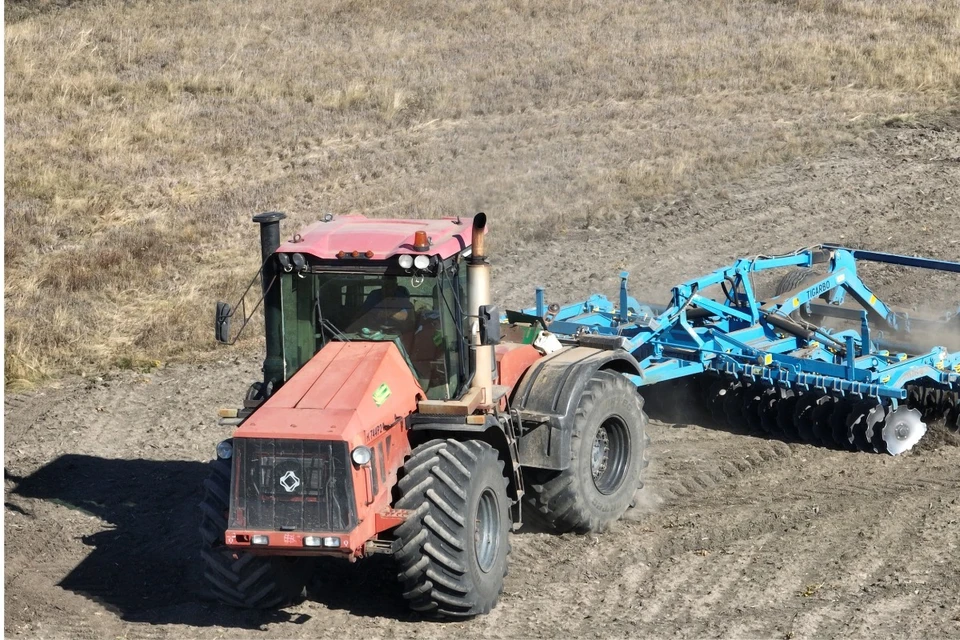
418	312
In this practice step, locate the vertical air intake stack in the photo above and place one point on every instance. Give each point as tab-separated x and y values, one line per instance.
478	278
272	315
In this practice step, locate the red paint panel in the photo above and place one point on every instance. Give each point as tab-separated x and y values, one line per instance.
348	360
385	238
306	424
513	360
369	376
332	396
296	387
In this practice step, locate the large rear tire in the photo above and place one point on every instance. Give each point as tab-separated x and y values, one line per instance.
452	552
606	460
238	578
794	279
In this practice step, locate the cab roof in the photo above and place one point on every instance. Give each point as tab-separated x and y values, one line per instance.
385	238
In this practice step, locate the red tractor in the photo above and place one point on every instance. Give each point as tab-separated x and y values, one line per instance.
398	414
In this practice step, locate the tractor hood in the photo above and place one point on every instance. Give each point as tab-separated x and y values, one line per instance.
349	391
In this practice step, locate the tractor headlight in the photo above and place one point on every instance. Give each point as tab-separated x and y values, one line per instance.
421	262
225	450
299	262
284	261
361	455
405	261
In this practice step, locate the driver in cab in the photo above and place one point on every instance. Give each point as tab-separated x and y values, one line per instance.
389	309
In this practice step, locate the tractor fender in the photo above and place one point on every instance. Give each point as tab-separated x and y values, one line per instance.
547	397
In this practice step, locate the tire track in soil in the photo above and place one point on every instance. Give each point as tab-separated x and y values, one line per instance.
802	556
710	574
695	578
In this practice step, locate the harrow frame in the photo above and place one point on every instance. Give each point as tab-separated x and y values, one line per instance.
763	341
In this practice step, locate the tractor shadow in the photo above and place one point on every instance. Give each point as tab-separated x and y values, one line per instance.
145	567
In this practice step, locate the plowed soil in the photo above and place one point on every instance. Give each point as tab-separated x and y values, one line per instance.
733	535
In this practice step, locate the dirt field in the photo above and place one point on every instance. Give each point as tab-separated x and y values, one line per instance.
733	536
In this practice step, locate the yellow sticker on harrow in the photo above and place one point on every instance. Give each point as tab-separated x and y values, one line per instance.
381	394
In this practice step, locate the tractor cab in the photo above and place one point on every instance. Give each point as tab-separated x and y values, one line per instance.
349	278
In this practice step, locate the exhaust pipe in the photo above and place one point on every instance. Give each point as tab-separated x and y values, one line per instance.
478	279
273	366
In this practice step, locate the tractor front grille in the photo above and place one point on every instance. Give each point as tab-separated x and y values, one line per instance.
292	485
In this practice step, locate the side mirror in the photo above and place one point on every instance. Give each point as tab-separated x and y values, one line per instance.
222	325
489	324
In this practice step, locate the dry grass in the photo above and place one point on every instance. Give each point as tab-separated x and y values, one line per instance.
140	137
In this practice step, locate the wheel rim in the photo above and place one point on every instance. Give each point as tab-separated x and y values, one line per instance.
487	530
610	455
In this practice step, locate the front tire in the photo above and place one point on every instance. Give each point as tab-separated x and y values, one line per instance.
606	460
453	550
237	578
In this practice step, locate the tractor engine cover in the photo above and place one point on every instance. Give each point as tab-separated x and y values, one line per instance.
293	470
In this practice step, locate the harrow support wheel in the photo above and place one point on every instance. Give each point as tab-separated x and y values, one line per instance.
914	396
949	410
607	457
238	578
453	550
794	280
668	401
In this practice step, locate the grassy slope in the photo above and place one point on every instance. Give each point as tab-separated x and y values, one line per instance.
140	137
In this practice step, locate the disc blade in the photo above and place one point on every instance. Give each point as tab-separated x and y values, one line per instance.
785	411
733	407
821	420
874	425
716	397
751	407
803	416
902	429
857	424
768	411
953	419
838	421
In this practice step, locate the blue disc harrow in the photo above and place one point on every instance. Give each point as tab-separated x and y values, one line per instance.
822	359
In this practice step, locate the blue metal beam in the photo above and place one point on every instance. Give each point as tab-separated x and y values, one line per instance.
735	336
